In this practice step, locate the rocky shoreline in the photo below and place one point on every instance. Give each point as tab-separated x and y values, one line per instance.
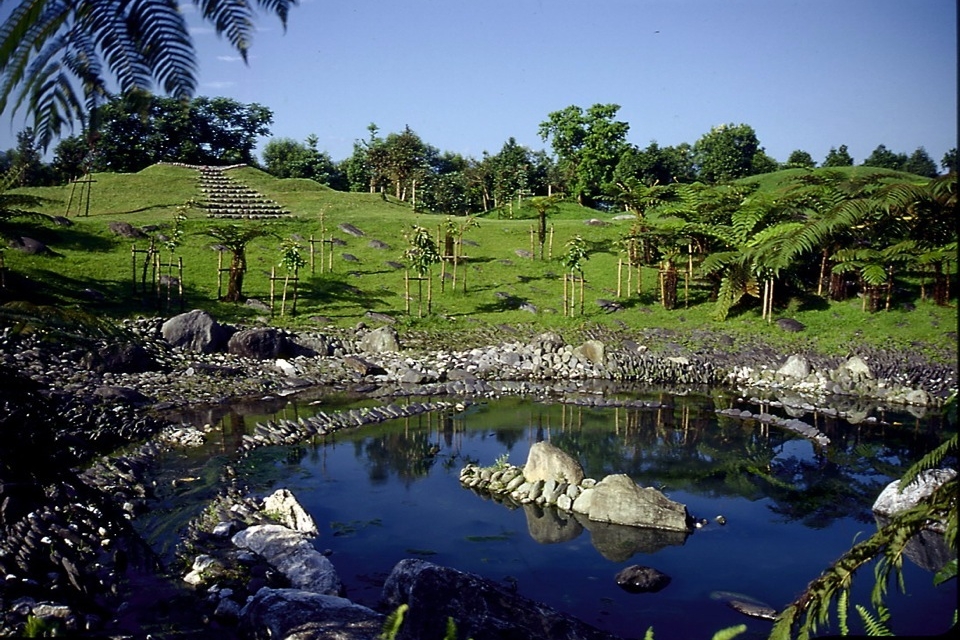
69	550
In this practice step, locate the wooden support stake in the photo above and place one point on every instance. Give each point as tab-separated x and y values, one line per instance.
550	254
619	275
582	280
273	275
406	288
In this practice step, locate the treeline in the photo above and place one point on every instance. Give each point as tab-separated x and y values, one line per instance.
591	159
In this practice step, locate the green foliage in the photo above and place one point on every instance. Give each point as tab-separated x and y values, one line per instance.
392	623
423	252
726	153
875	625
41	627
291	255
576	254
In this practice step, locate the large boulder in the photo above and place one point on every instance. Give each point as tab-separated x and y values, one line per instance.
547	462
893	500
195	331
260	344
591	351
381	340
618	499
120	357
481	609
290	553
795	367
293	614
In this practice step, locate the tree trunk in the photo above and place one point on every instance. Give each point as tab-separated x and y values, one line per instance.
668	286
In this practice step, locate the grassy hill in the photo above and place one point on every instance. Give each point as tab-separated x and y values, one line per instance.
91	267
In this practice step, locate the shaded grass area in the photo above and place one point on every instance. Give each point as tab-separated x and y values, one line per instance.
506	291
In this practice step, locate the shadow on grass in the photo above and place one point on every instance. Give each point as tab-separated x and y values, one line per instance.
57	237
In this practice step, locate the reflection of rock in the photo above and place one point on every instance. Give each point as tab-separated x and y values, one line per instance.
548	526
619	500
619	543
547	462
639	579
482	609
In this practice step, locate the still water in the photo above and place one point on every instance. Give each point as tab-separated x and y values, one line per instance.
391	491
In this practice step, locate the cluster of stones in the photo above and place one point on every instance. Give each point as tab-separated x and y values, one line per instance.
790	424
279	432
227	198
257	566
551	477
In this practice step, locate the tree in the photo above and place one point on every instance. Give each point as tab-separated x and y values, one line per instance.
838	157
587	145
726	153
71	158
138	129
27	163
236	238
921	164
58	57
949	161
762	163
886	159
801	159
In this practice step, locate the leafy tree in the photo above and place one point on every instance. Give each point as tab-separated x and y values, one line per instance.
800	158
510	172
588	144
72	158
949	161
236	238
655	165
838	157
544	206
726	152
886	159
57	57
406	159
138	130
287	158
27	163
762	163
921	164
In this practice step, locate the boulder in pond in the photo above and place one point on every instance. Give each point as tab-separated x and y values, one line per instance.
640	579
795	367
591	351
195	331
547	462
285	507
290	553
893	500
295	613
481	608
618	499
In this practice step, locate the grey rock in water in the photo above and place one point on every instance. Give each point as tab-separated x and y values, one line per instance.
284	506
548	462
619	500
294	613
640	579
290	553
892	500
482	609
195	331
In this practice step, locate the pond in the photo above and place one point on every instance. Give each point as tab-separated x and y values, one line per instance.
391	491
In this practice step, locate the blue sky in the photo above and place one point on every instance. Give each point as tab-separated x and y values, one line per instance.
466	75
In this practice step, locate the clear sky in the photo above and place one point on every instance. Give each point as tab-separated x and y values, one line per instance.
466	75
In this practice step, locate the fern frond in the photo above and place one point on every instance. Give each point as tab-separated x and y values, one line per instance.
730	632
391	625
932	460
876	626
842	605
649	634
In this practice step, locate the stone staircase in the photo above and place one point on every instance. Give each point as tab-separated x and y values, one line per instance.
224	197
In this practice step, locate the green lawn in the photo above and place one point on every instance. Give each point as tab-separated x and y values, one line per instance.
500	277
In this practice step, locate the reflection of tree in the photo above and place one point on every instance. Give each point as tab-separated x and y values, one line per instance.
408	455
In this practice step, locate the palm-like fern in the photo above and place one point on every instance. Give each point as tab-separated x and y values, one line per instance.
55	55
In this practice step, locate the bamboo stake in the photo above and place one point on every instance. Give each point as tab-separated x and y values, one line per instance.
180	280
283	297
273	274
550	255
296	282
429	293
582	279
219	274
619	274
639	279
629	277
133	259
564	295
406	288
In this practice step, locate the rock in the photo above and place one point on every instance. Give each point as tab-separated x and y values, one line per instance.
547	462
283	505
258	343
293	556
378	244
591	351
753	609
639	579
122	394
892	500
351	230
195	331
380	317
791	325
124	357
482	609
619	500
29	246
619	543
292	613
381	340
857	368
125	229
259	305
795	367
363	367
